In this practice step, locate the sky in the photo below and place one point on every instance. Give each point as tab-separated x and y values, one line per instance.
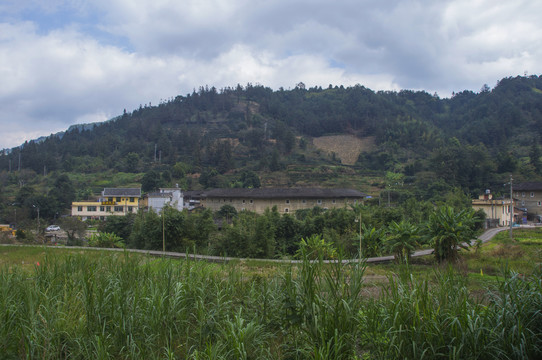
65	62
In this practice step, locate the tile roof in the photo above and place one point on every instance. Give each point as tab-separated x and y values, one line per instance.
132	192
527	186
280	193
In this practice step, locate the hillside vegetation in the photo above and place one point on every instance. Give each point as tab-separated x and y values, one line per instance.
391	145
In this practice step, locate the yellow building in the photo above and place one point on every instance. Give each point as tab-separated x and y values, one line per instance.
495	209
114	201
286	200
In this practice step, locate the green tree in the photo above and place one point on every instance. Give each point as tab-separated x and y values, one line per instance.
131	162
75	229
450	230
316	247
371	241
534	156
119	225
250	179
151	181
63	192
227	212
402	240
105	240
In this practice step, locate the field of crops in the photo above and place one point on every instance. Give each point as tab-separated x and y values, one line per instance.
58	304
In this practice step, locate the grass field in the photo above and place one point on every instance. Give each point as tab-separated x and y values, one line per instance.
79	304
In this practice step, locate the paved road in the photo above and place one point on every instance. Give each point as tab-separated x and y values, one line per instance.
485	237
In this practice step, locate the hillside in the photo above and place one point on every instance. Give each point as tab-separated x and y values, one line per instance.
338	136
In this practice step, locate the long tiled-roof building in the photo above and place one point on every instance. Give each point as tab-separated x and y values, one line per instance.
286	200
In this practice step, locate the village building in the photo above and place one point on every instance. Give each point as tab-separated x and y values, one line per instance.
156	201
287	200
529	198
113	201
497	210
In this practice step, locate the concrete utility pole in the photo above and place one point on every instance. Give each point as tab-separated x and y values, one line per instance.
511	208
356	220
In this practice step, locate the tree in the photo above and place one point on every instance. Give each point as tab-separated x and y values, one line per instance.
131	162
119	225
402	240
371	241
75	229
534	156
316	247
62	194
250	179
106	240
449	231
227	212
151	181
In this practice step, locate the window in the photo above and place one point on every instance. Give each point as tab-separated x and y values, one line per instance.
286	210
333	201
304	201
91	208
102	208
539	203
287	201
251	201
532	194
130	208
243	201
108	208
118	208
118	199
79	208
523	203
132	199
523	194
319	201
110	199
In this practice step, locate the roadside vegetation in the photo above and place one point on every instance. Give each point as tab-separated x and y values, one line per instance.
67	304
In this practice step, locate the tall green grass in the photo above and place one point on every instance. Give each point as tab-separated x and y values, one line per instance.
127	307
441	319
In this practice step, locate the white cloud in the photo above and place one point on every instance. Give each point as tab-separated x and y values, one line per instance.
78	61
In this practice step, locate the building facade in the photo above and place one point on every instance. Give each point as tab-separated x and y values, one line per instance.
286	200
495	209
529	197
114	201
156	201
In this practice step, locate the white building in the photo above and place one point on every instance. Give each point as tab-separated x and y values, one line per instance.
172	197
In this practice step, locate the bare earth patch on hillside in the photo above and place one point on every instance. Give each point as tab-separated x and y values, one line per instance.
346	147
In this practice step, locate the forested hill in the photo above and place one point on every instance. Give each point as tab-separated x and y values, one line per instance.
471	140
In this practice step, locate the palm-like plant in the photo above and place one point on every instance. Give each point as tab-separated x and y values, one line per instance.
450	231
371	239
402	240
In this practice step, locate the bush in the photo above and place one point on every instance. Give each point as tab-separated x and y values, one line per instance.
106	240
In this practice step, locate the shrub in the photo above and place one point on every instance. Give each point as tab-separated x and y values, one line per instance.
106	240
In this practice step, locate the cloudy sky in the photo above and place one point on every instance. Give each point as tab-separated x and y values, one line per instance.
64	62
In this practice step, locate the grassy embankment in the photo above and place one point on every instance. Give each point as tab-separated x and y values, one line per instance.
87	304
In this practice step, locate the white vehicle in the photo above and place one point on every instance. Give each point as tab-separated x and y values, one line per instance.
52	228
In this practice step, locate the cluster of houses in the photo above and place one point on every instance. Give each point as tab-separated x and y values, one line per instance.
123	201
526	203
